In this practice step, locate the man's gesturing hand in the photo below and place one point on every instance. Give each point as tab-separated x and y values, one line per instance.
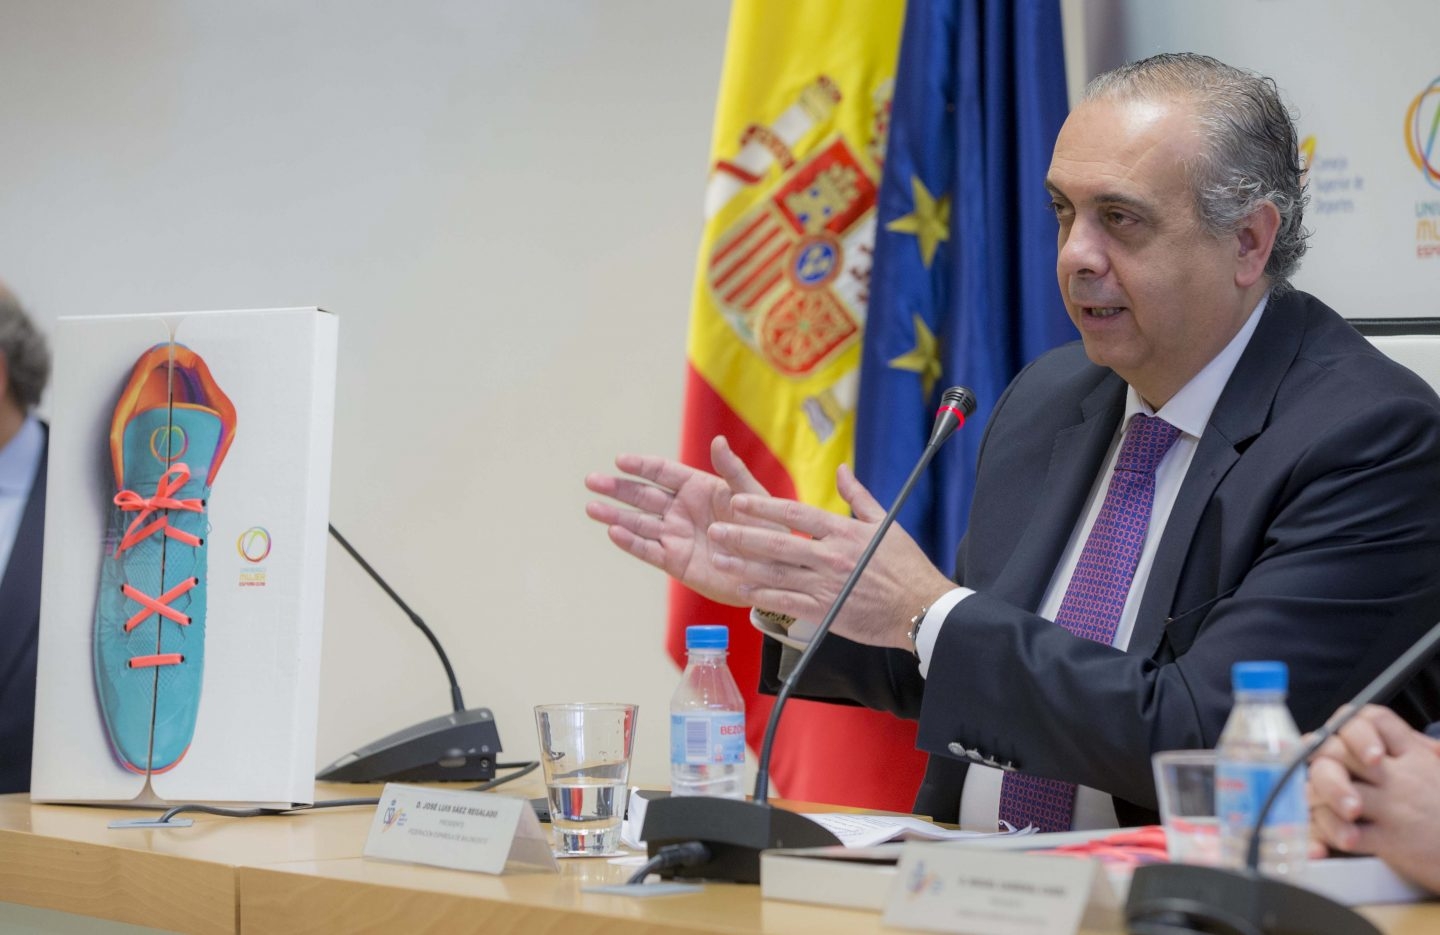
673	507
801	576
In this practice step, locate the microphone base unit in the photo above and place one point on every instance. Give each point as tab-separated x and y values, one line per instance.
734	830
456	747
1175	898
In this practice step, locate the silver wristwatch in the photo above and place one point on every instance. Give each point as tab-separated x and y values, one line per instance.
914	633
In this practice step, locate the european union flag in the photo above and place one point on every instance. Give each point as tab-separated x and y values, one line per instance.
963	288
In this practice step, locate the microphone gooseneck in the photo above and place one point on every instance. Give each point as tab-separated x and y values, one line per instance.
456	698
956	404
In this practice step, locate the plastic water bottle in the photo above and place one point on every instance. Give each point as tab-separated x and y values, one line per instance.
1257	744
707	720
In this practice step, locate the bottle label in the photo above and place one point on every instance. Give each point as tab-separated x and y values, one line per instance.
697	739
1241	789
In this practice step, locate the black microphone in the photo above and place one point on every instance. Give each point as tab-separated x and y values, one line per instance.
735	832
452	747
1178	898
956	404
456	698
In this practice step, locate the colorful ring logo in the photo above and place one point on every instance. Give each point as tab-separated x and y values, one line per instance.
254	544
168	442
1422	126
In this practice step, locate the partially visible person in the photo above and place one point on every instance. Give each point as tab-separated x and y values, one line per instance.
24	370
1374	788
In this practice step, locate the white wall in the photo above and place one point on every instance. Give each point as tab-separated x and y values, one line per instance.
501	201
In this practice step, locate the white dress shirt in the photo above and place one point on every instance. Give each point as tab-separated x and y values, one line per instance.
1188	410
18	461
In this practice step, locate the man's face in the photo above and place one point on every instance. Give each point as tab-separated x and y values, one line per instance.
1153	293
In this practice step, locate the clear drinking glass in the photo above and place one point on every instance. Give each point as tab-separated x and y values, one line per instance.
1185	782
585	751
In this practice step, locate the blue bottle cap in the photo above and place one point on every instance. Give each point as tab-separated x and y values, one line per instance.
1260	677
707	637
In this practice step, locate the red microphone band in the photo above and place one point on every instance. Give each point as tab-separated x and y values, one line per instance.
959	413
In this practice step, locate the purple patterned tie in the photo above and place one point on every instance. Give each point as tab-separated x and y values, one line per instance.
1096	595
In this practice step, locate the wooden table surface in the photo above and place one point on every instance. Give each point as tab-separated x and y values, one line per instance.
66	857
303	873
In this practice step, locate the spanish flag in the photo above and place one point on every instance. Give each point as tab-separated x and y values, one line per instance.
780	297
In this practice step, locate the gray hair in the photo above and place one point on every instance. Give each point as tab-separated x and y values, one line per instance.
1251	153
26	353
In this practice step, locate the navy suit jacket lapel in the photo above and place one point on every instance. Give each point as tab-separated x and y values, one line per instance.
1240	414
1075	458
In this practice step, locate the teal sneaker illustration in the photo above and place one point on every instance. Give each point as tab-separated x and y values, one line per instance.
170	432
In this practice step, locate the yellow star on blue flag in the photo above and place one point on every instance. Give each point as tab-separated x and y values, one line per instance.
923	358
929	220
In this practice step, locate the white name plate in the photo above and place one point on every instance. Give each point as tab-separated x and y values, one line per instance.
983	892
477	831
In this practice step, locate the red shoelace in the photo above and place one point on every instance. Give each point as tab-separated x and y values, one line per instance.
164	498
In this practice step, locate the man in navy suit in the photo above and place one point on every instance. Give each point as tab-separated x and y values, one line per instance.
1292	513
24	370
